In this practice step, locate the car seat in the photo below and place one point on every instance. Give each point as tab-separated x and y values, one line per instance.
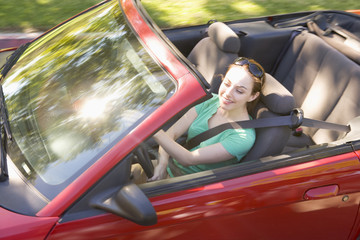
275	100
213	55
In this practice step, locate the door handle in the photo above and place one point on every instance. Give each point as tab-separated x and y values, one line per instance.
321	192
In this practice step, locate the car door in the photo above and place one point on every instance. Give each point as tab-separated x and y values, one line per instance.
312	196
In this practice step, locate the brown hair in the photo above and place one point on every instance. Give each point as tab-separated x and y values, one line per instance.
258	81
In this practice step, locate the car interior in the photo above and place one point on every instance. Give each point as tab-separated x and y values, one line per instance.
312	63
303	71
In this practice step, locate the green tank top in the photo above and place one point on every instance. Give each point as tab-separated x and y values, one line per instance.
237	142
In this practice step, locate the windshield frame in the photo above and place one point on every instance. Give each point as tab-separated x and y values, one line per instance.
58	188
190	92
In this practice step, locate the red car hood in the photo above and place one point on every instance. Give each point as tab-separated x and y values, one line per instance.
17	226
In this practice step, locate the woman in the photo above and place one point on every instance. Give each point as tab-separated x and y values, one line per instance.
240	87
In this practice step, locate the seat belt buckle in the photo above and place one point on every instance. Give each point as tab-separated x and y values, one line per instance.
298	132
297	117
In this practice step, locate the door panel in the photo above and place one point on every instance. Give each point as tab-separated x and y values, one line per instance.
267	205
322	192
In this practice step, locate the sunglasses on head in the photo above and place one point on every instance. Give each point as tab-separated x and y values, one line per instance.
254	68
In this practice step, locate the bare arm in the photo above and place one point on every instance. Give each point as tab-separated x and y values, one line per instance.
209	154
176	131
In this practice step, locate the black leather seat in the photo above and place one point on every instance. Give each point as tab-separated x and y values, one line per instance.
275	100
213	55
325	85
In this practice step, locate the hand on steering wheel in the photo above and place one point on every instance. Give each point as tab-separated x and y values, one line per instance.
144	160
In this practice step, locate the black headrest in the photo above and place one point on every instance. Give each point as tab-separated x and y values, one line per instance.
224	37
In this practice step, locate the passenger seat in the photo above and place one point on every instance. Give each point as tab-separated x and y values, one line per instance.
325	84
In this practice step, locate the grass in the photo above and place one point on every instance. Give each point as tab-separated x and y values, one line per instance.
40	15
166	12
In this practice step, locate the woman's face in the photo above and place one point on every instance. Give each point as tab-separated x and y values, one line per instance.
236	89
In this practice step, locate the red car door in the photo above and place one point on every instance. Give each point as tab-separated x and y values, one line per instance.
314	199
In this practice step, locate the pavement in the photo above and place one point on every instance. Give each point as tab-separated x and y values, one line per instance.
10	40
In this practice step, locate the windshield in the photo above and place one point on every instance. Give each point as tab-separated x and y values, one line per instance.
76	92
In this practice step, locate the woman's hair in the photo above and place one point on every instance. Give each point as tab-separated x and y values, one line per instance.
257	73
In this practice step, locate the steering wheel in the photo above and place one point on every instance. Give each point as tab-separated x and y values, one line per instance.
143	158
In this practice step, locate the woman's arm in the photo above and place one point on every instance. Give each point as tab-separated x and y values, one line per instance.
182	125
209	154
174	132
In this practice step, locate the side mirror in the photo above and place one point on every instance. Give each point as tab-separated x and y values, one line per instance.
130	203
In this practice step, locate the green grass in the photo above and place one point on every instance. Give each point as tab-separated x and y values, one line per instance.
168	13
40	15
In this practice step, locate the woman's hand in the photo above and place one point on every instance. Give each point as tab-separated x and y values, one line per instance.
163	158
159	173
177	130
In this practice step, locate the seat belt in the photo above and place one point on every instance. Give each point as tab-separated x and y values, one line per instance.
293	121
284	50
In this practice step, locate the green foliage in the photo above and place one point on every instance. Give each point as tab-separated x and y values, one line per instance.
170	13
40	15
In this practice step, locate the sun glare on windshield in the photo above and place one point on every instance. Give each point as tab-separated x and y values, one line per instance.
93	108
74	96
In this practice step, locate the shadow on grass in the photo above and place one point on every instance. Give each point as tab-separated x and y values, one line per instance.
165	15
39	15
43	14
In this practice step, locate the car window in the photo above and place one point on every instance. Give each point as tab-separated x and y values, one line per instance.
76	92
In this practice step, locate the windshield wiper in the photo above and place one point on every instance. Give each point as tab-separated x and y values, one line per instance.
5	133
12	59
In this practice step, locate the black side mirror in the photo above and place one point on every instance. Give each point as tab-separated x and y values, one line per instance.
130	203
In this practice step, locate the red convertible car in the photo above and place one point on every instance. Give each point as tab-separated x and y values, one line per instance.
79	106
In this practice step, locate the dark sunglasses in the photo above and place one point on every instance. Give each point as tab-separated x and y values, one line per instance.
254	68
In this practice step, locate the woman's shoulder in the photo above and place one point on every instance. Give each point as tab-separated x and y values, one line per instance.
213	99
241	132
210	103
238	141
245	136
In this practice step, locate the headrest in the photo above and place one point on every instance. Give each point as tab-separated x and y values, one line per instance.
276	97
224	38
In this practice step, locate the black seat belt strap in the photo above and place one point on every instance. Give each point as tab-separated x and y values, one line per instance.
283	51
293	121
257	123
327	125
